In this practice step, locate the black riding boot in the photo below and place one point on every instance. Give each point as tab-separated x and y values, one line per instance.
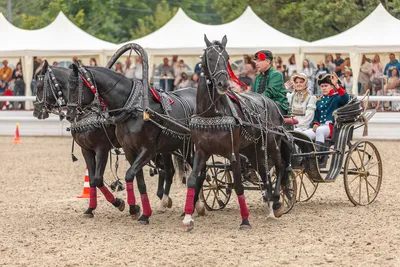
322	159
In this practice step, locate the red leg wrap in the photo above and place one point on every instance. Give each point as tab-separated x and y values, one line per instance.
244	211
146	205
189	207
130	194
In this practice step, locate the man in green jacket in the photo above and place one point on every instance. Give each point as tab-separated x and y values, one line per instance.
270	81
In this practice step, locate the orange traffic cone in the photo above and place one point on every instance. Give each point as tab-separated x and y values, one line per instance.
86	186
17	140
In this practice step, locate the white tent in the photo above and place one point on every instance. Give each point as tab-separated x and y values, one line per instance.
376	33
59	38
247	34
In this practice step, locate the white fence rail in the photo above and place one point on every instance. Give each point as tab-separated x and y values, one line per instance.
384	125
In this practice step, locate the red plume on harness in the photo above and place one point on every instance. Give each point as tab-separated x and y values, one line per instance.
94	90
235	78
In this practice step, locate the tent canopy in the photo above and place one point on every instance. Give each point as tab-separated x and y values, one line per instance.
61	37
376	33
247	34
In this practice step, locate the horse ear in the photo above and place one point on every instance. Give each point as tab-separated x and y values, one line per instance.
45	66
75	68
224	41
208	43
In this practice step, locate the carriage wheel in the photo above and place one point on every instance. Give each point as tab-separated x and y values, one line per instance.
217	188
306	188
363	173
288	195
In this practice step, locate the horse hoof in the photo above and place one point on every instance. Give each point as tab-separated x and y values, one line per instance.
121	206
187	227
245	225
169	203
278	213
278	210
201	210
88	215
134	211
143	220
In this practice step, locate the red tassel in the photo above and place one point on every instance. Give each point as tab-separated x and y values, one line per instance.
234	77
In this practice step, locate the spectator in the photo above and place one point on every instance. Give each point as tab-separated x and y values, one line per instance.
3	86
55	64
322	70
178	70
309	72
129	70
119	68
93	62
184	81
346	64
5	72
365	74
281	68
197	68
376	77
174	64
36	63
339	64
249	71
348	80
392	88
394	63
19	85
194	80
165	70
329	64
139	68
292	68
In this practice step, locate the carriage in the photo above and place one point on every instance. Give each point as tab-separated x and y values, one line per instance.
358	161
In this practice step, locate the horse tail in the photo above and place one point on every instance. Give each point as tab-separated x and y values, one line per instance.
181	169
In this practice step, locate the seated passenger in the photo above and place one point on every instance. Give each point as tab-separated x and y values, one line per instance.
333	97
301	102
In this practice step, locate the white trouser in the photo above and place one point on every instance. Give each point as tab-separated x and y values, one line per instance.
320	134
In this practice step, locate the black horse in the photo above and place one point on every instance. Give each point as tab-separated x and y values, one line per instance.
141	140
95	143
95	139
226	128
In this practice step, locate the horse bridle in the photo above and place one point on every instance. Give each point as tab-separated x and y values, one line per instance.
214	74
50	81
84	77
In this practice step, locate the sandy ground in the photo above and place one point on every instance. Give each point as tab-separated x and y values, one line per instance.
41	221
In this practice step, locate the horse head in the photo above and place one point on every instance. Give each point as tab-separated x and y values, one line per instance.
78	96
51	84
215	65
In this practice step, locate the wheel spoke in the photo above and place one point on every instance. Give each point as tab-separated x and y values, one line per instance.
209	192
355	165
366	186
373	188
354	179
359	155
370	167
304	187
359	190
220	190
215	197
374	175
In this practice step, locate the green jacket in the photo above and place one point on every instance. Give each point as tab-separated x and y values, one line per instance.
274	87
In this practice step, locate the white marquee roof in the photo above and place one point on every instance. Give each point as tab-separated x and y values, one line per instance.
247	34
61	37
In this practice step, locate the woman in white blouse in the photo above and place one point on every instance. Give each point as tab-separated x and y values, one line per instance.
302	104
